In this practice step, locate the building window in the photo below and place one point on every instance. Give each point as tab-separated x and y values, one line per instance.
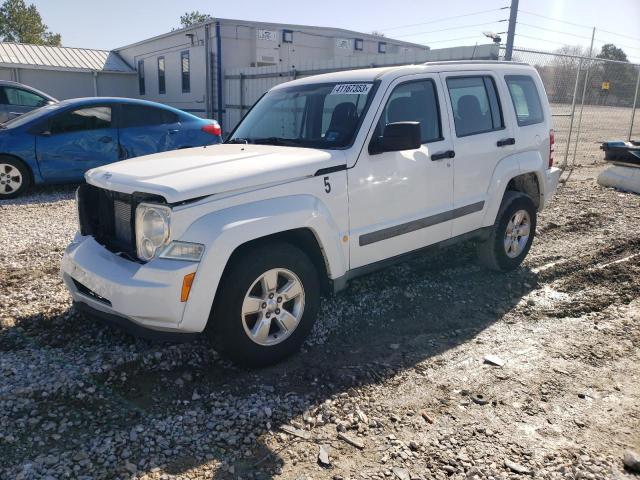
186	71
382	47
287	36
141	85
162	86
358	44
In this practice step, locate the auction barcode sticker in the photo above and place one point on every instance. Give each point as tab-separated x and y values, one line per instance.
351	89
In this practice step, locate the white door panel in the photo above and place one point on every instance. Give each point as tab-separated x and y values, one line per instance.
477	155
399	201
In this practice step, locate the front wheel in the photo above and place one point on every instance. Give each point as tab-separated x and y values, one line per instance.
14	177
266	305
512	234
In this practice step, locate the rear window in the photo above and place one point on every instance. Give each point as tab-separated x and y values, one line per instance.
476	107
22	98
525	98
143	116
90	118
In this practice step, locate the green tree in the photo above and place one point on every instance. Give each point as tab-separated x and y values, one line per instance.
193	18
620	75
22	23
610	52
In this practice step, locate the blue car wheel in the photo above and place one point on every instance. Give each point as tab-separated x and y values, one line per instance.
14	177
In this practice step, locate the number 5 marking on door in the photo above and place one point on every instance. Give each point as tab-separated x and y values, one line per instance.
327	185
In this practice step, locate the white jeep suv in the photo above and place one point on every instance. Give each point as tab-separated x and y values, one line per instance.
326	178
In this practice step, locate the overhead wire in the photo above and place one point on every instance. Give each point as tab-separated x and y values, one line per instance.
552	30
449	28
526	12
443	19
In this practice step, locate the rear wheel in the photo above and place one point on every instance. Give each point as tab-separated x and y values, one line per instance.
14	177
512	234
266	305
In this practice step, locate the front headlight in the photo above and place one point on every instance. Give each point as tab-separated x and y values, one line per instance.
152	229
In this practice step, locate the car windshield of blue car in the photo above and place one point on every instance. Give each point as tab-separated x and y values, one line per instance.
28	117
320	115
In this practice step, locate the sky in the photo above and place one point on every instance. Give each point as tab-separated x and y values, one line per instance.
542	24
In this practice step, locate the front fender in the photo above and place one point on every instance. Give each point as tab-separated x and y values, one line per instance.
223	231
508	168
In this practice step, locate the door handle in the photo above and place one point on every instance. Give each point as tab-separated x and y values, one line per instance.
173	132
506	141
442	155
106	139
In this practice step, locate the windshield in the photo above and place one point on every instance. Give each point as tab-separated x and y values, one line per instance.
321	115
29	116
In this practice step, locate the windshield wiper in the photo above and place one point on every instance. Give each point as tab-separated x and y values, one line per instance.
277	141
238	140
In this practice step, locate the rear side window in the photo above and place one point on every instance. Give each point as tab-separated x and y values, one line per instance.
143	116
22	98
475	103
92	118
525	98
414	102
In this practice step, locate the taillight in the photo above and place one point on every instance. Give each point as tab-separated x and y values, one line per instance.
552	147
212	129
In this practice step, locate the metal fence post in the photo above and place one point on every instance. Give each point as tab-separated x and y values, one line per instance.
633	109
573	113
584	92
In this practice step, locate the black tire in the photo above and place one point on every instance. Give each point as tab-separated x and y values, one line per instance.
8	166
225	326
491	252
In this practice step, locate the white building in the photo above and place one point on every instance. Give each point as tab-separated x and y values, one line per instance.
64	72
185	68
215	69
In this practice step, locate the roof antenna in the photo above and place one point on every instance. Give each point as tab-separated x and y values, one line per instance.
474	50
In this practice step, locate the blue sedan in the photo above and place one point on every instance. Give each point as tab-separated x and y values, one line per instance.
58	143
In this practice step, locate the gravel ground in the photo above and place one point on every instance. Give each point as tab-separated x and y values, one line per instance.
392	384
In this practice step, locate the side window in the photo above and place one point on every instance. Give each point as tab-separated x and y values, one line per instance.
92	118
185	69
141	83
143	116
415	101
23	98
162	86
525	98
476	108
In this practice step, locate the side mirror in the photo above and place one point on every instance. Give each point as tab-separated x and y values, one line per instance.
396	137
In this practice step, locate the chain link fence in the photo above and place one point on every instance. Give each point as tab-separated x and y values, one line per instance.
592	100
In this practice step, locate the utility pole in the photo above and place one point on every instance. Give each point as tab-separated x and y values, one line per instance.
513	14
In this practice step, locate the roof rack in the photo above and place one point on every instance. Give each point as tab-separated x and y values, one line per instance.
454	62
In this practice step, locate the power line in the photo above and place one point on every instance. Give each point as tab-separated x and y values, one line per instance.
447	29
444	18
555	19
617	44
554	31
540	39
619	34
453	39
